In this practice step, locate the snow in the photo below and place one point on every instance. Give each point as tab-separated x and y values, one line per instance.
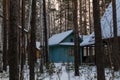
57	38
88	39
21	28
67	43
38	45
106	28
65	71
107	22
106	25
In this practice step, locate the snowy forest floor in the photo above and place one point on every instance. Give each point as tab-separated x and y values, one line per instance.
60	71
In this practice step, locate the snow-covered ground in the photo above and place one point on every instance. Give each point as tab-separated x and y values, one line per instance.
60	71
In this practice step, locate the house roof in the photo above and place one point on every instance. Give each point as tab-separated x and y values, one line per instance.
106	25
107	21
57	38
88	40
67	43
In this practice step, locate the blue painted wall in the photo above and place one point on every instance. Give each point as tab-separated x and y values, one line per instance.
70	38
61	54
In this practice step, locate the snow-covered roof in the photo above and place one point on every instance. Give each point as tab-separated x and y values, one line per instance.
107	21
67	43
88	40
57	38
106	25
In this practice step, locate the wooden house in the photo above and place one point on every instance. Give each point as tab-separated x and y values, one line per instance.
107	31
88	48
61	47
107	28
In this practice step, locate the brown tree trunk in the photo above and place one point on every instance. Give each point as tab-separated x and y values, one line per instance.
115	53
85	22
98	41
76	39
23	40
45	33
13	53
33	41
5	10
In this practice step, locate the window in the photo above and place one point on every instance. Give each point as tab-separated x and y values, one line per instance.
71	52
71	40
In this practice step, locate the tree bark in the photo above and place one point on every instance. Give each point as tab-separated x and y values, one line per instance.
76	39
5	35
33	41
98	41
23	40
45	32
115	53
13	53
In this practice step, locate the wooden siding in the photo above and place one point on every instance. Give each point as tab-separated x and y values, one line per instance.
61	54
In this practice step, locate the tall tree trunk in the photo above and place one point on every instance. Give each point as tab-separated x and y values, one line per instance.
115	53
76	39
41	36
60	28
13	55
98	41
29	14
90	17
68	15
80	3
23	40
85	16
5	7
45	32
65	29
33	41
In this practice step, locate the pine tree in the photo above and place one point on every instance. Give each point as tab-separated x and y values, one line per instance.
13	53
115	53
33	41
5	35
45	32
23	39
76	39
98	41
